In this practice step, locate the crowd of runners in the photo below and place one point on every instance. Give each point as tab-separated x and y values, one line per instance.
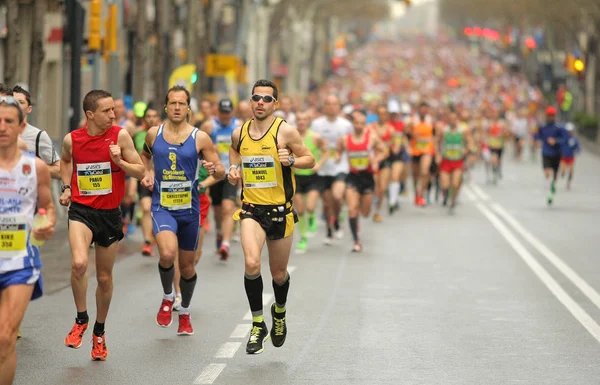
398	119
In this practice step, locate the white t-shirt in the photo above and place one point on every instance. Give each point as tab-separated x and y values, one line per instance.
332	131
45	148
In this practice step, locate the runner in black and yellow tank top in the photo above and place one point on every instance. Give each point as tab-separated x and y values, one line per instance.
260	157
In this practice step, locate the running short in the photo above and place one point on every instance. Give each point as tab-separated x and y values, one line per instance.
106	225
204	208
552	162
451	165
27	276
223	190
327	180
184	225
363	182
568	161
308	183
497	151
143	192
278	222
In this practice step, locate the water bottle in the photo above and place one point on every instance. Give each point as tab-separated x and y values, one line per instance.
40	220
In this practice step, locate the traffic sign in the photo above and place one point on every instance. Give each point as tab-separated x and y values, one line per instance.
219	65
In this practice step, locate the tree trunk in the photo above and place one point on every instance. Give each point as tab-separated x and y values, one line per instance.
37	47
139	62
158	63
13	42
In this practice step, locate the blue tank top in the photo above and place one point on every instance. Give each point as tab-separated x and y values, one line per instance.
221	137
176	169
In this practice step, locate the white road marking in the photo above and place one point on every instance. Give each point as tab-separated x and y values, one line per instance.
479	192
209	374
581	284
228	349
572	306
468	194
241	331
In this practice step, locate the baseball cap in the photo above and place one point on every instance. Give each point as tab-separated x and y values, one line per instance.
225	105
550	111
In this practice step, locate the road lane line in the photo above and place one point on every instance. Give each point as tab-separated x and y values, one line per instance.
209	374
581	284
572	306
241	331
228	349
468	194
480	193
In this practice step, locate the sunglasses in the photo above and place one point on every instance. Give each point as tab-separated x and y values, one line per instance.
266	98
9	100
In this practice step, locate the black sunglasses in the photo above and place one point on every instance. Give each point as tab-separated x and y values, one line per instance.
266	98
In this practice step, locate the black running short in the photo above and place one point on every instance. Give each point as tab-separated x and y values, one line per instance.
308	183
106	225
143	192
223	190
327	180
552	162
362	182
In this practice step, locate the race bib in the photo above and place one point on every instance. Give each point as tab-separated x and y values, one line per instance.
176	195
332	153
259	171
423	144
13	236
496	142
94	178
398	139
359	160
453	154
223	144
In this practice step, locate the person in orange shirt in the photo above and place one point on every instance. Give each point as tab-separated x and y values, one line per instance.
421	149
385	131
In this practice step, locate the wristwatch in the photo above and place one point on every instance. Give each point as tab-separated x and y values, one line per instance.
234	166
292	161
64	187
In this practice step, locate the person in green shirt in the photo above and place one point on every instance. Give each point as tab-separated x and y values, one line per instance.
308	183
455	140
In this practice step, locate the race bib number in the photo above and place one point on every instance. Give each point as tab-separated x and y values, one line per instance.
359	160
94	178
423	144
453	154
223	144
259	171
398	140
176	195
13	236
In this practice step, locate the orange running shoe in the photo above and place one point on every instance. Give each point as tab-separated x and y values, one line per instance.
377	218
99	352
147	250
75	336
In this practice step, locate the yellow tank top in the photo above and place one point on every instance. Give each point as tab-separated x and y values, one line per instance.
264	180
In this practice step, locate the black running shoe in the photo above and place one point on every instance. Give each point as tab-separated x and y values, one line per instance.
258	335
279	329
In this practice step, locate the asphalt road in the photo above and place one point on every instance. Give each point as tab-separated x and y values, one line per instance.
502	292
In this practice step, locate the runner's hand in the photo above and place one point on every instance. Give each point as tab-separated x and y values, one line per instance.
284	155
43	233
209	166
115	153
234	176
65	198
148	181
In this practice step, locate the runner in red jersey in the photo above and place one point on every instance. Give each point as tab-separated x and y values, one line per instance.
365	150
94	162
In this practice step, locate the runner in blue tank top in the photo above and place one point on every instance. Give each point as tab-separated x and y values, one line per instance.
223	195
171	156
